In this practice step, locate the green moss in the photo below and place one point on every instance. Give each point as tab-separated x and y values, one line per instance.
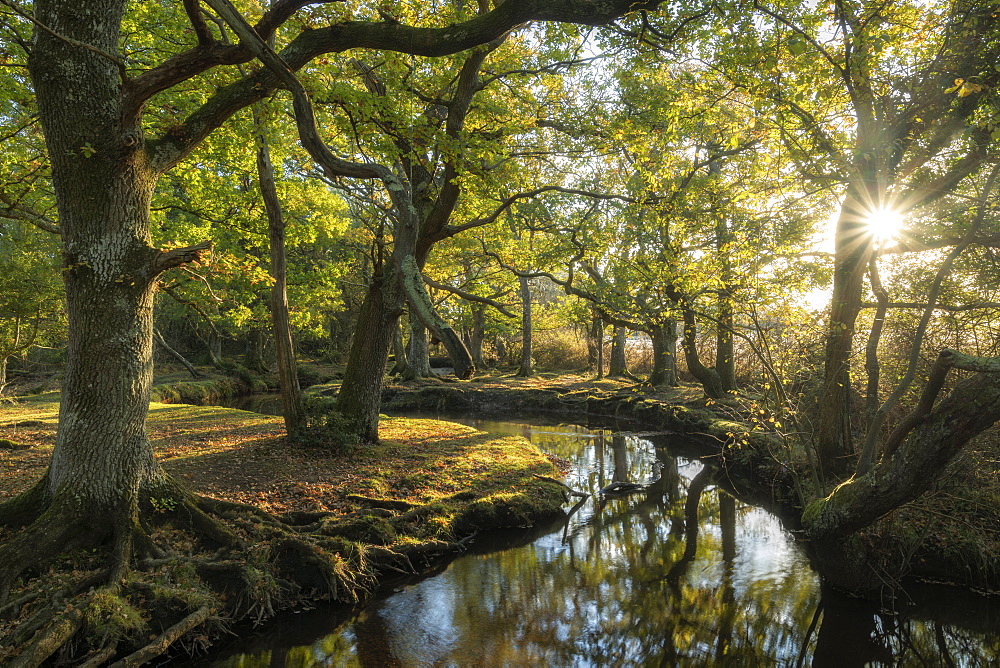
372	529
112	616
812	511
7	444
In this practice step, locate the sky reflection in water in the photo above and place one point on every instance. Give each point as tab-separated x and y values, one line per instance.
623	582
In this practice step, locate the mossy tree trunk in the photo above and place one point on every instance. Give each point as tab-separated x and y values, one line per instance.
360	395
102	464
664	338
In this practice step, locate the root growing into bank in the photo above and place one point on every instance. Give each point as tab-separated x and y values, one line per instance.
85	591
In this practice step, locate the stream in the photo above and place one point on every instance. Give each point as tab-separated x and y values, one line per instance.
627	581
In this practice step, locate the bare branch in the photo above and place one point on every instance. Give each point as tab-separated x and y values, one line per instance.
468	296
15	211
179	256
193	9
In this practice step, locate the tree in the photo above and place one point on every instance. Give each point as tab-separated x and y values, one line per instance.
107	155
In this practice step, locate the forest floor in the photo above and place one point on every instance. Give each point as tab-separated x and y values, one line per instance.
244	457
398	506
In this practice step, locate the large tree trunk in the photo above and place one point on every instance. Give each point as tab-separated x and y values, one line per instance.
360	393
664	354
618	366
527	367
103	183
284	346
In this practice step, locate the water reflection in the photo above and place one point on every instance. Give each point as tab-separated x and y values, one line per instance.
679	574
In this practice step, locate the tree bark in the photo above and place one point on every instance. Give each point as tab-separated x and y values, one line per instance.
725	358
853	245
618	366
419	361
907	472
360	395
725	351
476	336
527	367
284	345
401	362
664	354
103	182
422	307
253	353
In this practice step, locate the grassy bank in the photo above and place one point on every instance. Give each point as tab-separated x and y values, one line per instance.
400	505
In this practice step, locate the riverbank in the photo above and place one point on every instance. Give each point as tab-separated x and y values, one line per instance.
951	534
398	506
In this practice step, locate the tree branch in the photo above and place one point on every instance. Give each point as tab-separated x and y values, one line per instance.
468	296
179	256
432	42
17	212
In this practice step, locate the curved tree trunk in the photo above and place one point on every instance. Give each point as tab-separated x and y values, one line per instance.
664	354
284	345
708	377
422	307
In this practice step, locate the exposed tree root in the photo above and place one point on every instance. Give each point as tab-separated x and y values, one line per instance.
173	562
48	641
55	531
165	639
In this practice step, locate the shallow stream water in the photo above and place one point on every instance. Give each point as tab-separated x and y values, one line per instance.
630	581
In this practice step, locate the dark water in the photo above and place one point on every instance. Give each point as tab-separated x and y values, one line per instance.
628	581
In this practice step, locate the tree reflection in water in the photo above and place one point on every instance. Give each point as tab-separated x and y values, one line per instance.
680	574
